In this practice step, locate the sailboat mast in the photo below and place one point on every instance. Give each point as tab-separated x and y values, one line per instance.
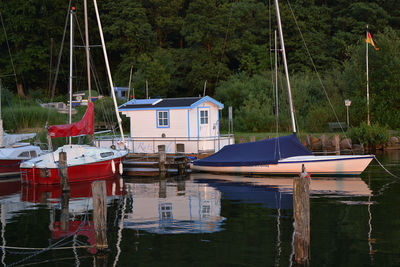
366	43
109	72
278	17
71	49
87	50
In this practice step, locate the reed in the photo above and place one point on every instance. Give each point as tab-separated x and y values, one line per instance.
16	118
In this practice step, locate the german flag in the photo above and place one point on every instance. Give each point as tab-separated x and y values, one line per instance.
370	41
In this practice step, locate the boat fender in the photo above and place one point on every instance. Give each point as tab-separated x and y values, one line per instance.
113	166
121	170
113	189
308	175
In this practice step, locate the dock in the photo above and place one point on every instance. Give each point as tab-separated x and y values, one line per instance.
155	164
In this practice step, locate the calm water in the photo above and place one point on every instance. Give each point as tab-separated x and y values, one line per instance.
207	220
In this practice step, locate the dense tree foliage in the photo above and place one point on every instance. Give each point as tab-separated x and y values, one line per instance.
176	46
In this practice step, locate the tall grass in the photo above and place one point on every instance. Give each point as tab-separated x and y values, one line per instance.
16	118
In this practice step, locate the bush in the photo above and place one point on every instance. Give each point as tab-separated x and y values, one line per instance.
369	135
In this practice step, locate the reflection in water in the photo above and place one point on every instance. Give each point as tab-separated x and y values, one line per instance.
341	186
168	207
346	228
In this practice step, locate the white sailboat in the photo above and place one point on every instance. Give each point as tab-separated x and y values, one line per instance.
84	162
13	152
283	155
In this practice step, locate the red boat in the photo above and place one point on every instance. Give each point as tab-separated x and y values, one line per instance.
84	163
78	191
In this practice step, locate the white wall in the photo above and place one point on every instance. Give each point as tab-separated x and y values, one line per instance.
143	123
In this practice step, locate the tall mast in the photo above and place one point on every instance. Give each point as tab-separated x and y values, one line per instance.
87	50
109	72
278	17
71	48
368	122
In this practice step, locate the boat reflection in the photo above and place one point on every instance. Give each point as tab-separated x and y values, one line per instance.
335	186
80	195
74	218
173	207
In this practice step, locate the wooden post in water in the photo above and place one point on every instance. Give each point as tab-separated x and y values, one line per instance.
301	206
162	160
99	192
62	161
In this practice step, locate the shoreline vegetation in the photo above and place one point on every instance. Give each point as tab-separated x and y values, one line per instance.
328	141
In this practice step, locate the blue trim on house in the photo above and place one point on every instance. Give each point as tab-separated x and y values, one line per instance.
155	108
157	122
207	98
218	121
151	101
188	117
198	124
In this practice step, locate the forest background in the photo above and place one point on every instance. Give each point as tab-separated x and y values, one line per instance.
177	45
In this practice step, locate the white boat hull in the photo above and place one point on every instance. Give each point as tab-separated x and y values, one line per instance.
321	165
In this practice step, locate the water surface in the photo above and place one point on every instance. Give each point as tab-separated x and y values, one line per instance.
206	220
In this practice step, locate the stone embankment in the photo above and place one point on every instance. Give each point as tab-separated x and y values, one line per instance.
336	143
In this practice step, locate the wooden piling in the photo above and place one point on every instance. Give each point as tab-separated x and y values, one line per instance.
301	205
64	181
252	138
162	160
99	192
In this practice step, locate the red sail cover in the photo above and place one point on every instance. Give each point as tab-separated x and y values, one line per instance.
84	126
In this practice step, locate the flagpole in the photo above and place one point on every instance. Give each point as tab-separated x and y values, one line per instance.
368	122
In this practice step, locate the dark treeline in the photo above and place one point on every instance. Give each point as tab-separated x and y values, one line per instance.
177	45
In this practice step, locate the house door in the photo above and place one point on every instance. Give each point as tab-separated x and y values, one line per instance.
204	127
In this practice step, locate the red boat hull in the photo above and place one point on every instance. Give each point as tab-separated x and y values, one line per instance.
9	166
79	173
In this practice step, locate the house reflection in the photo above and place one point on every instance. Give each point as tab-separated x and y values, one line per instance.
174	207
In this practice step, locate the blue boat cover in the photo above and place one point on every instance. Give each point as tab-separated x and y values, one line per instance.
256	153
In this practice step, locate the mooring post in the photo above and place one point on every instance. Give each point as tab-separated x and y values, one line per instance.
99	192
162	160
62	162
301	205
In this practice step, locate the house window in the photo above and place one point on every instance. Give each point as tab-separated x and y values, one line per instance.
163	120
203	116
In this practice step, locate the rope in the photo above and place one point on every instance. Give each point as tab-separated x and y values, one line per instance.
9	51
55	248
383	167
59	59
225	39
59	243
315	69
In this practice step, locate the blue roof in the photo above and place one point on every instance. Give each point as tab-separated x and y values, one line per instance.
167	103
256	153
